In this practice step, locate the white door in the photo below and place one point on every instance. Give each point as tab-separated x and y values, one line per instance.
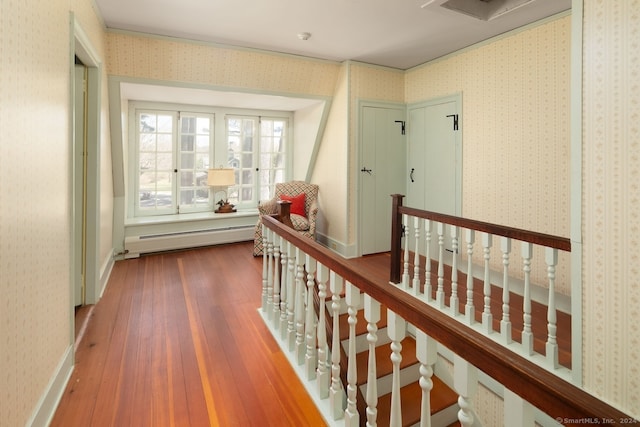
434	181
381	173
435	157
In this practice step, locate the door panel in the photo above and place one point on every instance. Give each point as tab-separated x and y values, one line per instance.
382	169
435	160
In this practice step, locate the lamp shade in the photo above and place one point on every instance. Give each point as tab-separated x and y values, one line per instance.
221	177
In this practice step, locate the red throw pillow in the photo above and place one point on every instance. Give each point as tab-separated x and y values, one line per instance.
297	203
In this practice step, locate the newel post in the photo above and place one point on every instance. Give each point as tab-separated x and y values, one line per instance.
284	212
396	237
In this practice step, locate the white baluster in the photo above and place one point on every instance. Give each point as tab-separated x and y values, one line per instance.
517	411
265	263
269	249
487	317
276	282
299	308
351	415
469	309
427	255
396	329
416	257
336	392
465	382
454	301
527	333
505	323
284	288
323	358
551	257
405	270
291	300
372	315
426	352
440	290
311	358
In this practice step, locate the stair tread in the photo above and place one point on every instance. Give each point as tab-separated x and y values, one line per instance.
361	324
384	366
442	397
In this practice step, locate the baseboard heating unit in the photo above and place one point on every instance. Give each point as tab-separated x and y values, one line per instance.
136	245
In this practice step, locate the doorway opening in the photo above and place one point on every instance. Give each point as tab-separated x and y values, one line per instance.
85	176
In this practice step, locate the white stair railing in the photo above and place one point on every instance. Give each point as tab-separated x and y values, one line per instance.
448	298
311	268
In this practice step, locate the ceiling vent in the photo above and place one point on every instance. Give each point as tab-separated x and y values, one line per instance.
485	10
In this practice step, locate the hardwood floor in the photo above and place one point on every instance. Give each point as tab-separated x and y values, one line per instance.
177	340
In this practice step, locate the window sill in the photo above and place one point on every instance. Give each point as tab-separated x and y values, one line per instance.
190	217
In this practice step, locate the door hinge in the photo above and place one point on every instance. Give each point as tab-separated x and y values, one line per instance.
455	121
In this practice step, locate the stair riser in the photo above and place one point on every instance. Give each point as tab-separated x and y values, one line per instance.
385	383
363	345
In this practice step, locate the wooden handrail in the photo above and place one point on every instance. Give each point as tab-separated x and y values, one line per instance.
551	394
548	240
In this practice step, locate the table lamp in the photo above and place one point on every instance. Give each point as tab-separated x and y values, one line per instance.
222	177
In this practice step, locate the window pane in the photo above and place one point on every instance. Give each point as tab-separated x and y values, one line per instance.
187	142
187	178
188	125
163	180
279	161
247	194
147	161
163	198
202	143
147	123
203	125
147	142
165	161
165	142
267	145
202	161
165	124
187	160
187	197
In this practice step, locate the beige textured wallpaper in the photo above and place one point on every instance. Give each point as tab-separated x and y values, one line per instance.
35	306
611	201
330	172
159	58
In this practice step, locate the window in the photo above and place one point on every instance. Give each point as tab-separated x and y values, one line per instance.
257	150
173	146
173	152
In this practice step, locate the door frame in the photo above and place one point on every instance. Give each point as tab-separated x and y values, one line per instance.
360	122
82	47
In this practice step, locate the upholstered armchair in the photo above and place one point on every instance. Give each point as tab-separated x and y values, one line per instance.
304	209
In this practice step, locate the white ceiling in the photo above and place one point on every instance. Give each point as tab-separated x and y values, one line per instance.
393	33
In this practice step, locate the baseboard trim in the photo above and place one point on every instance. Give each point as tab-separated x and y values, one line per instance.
107	267
48	403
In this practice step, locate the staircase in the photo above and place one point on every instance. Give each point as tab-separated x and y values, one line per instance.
444	405
309	325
